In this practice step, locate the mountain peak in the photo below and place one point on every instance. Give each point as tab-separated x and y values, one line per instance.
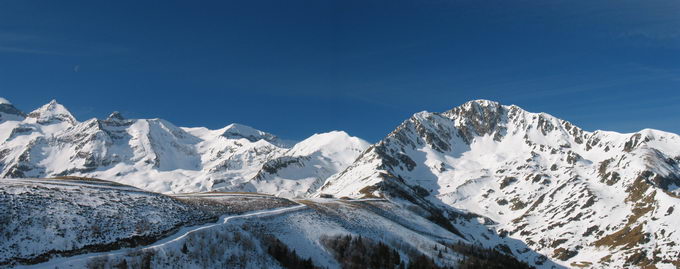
115	116
333	141
117	119
237	131
52	112
4	101
482	102
481	106
477	116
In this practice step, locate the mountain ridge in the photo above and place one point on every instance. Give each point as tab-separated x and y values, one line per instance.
156	154
528	184
529	172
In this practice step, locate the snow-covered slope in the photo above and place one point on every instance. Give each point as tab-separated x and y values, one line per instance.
304	168
46	218
89	223
43	217
577	197
156	155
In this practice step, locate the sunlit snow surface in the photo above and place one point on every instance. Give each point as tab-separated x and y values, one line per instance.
87	222
155	155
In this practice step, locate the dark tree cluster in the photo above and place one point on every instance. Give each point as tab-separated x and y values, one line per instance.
356	252
286	257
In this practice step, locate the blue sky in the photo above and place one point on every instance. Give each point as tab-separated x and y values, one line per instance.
294	68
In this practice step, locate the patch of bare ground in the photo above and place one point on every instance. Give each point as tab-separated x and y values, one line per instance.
85	179
564	254
226	193
581	264
517	204
639	258
236	204
626	237
637	189
368	191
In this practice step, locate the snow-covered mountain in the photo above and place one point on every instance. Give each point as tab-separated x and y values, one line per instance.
156	155
305	167
526	184
581	198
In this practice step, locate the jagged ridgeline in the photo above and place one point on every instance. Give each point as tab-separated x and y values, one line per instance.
523	184
158	156
541	183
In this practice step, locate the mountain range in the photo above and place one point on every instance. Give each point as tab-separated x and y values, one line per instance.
529	185
156	155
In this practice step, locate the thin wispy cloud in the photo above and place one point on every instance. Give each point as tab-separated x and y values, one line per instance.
25	43
654	21
12	42
7	49
16	37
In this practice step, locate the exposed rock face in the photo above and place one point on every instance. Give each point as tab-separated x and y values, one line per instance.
9	112
478	119
51	113
238	131
116	119
565	192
